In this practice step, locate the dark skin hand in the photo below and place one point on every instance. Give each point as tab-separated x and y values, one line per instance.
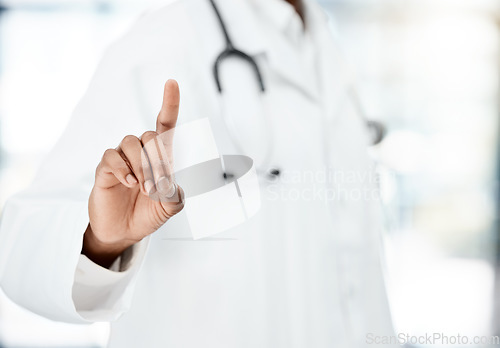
121	214
121	211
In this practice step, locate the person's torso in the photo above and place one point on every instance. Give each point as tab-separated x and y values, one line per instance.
273	280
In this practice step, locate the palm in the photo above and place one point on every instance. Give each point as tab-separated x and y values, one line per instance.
127	213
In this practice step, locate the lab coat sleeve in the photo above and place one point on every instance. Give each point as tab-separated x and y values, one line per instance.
41	231
101	293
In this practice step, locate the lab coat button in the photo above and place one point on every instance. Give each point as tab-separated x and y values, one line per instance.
273	172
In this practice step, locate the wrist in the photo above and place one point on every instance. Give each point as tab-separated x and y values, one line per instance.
103	253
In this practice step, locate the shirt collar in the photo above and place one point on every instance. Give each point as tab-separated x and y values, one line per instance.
278	13
243	25
250	32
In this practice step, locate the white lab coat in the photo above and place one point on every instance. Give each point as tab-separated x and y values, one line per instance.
301	273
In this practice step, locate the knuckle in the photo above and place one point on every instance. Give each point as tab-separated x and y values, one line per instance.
172	105
129	140
108	154
149	134
123	170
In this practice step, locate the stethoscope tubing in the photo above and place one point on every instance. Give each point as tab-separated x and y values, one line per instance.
230	50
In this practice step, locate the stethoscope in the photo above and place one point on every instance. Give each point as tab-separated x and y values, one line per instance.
231	51
377	129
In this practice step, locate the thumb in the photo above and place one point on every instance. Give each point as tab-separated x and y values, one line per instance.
167	118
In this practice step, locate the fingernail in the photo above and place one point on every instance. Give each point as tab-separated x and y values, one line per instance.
165	187
148	186
131	180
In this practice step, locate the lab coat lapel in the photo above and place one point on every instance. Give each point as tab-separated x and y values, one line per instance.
285	62
243	26
252	35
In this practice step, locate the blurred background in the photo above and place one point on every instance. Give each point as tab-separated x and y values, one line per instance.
428	69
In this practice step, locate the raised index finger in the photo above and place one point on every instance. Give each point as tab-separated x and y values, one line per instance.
167	118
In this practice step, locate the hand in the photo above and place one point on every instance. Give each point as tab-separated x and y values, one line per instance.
134	193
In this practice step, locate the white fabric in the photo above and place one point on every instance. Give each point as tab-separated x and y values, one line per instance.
93	292
301	273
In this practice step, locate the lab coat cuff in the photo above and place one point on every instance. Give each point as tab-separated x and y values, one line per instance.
124	261
91	274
